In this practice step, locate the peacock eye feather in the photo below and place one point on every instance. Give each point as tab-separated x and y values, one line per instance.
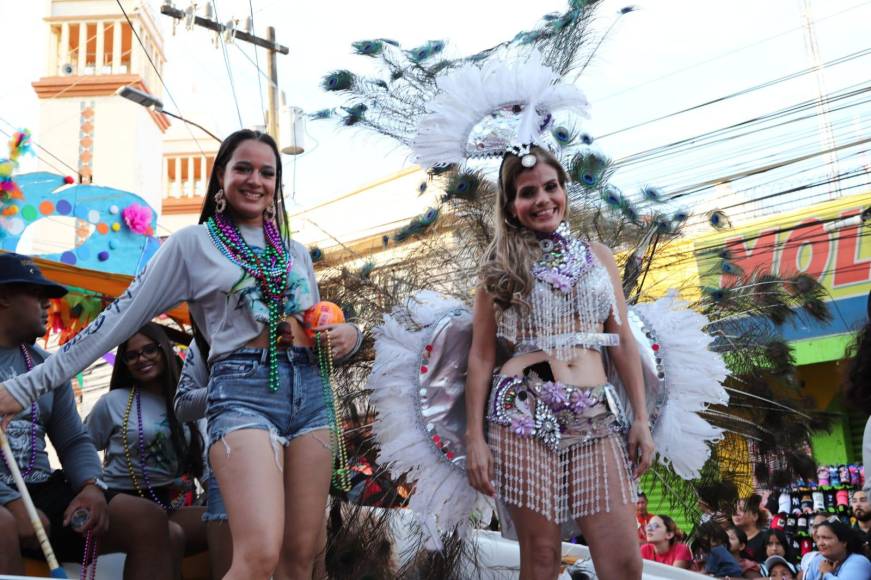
340	80
563	135
652	194
588	167
718	219
368	47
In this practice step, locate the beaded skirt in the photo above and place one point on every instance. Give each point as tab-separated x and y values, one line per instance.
559	450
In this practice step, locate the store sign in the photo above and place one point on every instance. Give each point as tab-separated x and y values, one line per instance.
839	259
821	241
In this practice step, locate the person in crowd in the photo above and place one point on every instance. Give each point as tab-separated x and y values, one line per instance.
665	543
642	517
737	545
862	512
779	568
777	544
147	451
839	554
534	278
711	549
73	503
268	422
750	518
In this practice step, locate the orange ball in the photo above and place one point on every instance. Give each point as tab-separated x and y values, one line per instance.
321	314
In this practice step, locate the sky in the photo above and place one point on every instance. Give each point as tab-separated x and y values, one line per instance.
666	56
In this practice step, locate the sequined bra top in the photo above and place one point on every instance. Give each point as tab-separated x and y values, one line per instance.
572	297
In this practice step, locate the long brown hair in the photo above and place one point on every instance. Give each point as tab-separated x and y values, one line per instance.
506	270
190	455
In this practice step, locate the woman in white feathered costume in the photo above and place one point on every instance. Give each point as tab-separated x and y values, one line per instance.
559	433
555	449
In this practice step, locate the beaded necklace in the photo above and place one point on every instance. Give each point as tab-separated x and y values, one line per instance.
89	559
270	270
341	474
134	394
564	259
34	417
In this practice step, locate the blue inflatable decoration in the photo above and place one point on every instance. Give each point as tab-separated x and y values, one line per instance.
111	247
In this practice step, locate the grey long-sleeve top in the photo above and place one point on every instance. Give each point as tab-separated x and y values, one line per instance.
224	302
57	418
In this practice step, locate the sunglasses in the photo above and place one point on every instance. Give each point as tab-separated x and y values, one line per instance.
147	351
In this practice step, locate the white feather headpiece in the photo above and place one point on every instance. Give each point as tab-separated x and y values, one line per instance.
482	110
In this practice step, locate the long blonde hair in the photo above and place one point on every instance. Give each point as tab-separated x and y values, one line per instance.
506	271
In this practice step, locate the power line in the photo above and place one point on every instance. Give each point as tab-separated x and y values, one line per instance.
227	65
159	76
727	53
43	149
753	88
257	64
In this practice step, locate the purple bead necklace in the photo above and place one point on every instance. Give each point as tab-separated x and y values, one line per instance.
134	394
564	259
34	416
89	559
270	270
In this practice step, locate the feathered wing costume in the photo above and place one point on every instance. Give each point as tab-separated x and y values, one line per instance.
418	377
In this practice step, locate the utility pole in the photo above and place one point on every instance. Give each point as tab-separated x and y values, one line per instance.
268	43
272	71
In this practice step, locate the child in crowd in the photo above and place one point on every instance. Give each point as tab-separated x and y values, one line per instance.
737	544
712	552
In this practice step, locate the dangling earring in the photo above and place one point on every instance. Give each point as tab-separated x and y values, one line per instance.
220	201
269	212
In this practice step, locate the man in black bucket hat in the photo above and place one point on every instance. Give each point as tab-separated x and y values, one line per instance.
72	502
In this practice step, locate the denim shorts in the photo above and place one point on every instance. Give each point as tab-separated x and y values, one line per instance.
215	510
239	395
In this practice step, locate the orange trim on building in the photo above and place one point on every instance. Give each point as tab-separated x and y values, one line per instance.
182	205
93	86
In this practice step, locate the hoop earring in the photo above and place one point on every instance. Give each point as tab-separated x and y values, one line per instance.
269	212
220	201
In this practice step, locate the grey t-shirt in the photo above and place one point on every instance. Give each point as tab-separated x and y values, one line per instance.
224	302
57	417
105	423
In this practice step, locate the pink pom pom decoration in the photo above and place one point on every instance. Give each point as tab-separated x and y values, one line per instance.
137	217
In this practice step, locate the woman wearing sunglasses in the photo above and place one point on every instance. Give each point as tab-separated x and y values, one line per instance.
148	452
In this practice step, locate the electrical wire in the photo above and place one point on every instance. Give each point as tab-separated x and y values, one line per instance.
43	149
837	61
227	65
727	53
159	76
257	64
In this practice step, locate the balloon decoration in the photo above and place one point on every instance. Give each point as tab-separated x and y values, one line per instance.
18	145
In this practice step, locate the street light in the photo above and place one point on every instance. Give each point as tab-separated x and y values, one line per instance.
151	102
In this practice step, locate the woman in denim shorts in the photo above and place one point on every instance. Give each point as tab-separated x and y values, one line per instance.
241	276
